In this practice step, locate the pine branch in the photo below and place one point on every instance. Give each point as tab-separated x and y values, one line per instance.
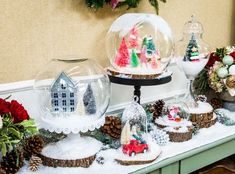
155	4
201	82
97	4
221	52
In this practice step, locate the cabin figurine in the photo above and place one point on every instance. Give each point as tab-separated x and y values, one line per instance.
63	94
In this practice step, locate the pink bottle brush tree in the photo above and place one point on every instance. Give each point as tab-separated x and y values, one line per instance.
133	38
143	58
122	57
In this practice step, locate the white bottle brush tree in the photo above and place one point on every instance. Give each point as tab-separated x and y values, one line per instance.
126	134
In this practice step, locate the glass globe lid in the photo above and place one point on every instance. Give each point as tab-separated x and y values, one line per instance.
176	111
192	52
139	43
193	26
73	95
175	117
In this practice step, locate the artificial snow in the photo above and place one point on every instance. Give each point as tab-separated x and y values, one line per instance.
203	107
178	130
204	137
171	123
192	68
72	147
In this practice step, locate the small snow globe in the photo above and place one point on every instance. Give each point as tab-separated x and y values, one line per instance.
192	54
139	44
175	121
73	95
176	111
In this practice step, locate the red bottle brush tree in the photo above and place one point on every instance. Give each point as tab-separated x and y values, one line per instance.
122	57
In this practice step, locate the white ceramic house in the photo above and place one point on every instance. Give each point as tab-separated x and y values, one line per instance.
63	94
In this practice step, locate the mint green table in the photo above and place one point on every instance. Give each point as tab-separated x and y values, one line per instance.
194	159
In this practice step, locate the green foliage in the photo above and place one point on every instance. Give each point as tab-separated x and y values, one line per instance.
201	82
221	52
97	4
223	118
51	137
155	4
108	141
12	135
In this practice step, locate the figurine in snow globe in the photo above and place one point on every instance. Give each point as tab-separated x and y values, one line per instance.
175	121
73	95
137	147
139	46
192	54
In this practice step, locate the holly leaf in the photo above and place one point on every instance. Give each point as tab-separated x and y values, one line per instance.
27	123
221	52
3	149
15	132
32	130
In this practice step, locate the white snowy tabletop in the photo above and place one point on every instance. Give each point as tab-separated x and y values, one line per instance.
205	136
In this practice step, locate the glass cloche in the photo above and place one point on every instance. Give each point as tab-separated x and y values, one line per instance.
73	95
139	43
192	54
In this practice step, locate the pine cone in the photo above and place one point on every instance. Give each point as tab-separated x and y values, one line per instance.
2	171
34	163
33	145
150	108
12	162
112	127
216	103
230	82
158	109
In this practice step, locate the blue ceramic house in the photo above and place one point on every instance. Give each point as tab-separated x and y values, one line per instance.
63	94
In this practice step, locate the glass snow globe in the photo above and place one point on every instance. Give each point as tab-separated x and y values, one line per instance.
192	54
176	111
73	95
139	43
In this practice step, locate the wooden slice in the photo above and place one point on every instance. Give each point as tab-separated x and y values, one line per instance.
134	162
204	121
113	72
178	136
83	162
201	117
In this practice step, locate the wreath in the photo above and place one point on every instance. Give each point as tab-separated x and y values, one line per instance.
97	4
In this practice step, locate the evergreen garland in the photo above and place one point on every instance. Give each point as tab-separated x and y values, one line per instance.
97	4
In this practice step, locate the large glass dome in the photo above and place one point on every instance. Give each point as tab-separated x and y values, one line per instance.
139	43
73	95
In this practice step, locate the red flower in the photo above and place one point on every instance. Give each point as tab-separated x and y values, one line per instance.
4	107
233	55
212	59
18	112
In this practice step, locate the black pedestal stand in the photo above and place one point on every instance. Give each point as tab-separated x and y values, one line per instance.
137	83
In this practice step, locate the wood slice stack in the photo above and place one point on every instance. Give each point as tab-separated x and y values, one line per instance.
203	120
83	162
